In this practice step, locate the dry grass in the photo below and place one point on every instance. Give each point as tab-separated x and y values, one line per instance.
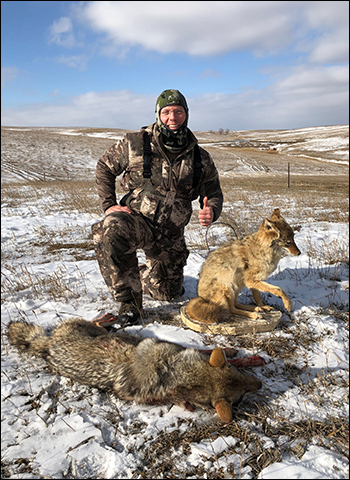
161	456
247	202
251	427
54	196
320	198
332	433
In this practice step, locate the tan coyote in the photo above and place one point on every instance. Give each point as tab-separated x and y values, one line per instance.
144	370
242	263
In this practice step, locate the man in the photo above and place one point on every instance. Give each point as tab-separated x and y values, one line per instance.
163	170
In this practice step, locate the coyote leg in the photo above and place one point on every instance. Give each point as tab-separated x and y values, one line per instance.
277	291
242	310
258	301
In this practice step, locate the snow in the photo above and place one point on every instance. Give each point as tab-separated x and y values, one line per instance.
326	144
316	463
78	433
53	428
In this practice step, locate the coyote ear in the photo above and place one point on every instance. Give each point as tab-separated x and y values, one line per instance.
276	214
224	410
269	226
217	358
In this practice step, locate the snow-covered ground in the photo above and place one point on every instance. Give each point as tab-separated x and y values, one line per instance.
71	153
329	143
60	430
291	428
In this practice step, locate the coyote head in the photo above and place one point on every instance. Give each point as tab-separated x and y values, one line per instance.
229	385
280	233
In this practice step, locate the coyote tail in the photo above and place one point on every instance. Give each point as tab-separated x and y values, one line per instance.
29	338
204	311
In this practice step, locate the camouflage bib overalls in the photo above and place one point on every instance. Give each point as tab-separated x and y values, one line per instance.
161	206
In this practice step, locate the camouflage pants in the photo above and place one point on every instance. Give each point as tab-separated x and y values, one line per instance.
117	239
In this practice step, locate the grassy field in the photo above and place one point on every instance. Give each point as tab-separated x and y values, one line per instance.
310	199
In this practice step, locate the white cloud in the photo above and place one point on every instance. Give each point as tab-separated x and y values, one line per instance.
196	28
209	73
8	74
55	93
305	97
76	61
120	109
315	80
330	23
207	28
333	14
331	48
61	33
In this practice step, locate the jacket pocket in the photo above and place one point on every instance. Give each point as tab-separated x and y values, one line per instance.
150	205
147	203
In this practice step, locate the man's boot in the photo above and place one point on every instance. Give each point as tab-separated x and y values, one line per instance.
130	312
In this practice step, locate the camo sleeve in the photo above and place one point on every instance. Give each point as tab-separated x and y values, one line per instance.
112	164
210	185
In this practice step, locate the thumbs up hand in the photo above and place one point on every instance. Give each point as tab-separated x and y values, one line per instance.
206	214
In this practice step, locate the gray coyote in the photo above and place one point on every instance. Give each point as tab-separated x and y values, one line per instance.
147	371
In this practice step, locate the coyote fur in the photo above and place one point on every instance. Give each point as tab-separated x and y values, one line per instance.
147	371
242	263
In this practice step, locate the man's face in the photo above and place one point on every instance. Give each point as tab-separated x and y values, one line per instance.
173	116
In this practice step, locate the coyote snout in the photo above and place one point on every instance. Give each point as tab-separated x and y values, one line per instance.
144	370
243	263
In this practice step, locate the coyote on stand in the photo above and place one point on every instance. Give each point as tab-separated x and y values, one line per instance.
242	263
146	371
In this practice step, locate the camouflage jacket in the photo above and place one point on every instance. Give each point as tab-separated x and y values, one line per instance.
166	198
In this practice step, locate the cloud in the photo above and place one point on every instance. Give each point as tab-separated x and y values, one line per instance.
214	28
329	24
331	49
315	81
196	28
120	109
209	73
305	97
61	33
55	93
75	61
8	74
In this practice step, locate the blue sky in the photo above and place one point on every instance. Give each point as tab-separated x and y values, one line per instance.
241	65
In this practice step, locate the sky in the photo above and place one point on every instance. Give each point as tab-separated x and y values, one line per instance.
241	65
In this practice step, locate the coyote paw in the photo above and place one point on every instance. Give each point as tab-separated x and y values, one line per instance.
288	305
188	406
230	352
267	308
263	308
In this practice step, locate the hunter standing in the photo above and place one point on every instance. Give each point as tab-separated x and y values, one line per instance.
163	170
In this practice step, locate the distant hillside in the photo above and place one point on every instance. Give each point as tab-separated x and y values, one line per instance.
72	153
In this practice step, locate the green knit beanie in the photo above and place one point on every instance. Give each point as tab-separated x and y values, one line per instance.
173	140
171	97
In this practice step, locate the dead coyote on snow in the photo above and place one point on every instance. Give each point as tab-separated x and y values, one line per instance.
147	371
242	263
